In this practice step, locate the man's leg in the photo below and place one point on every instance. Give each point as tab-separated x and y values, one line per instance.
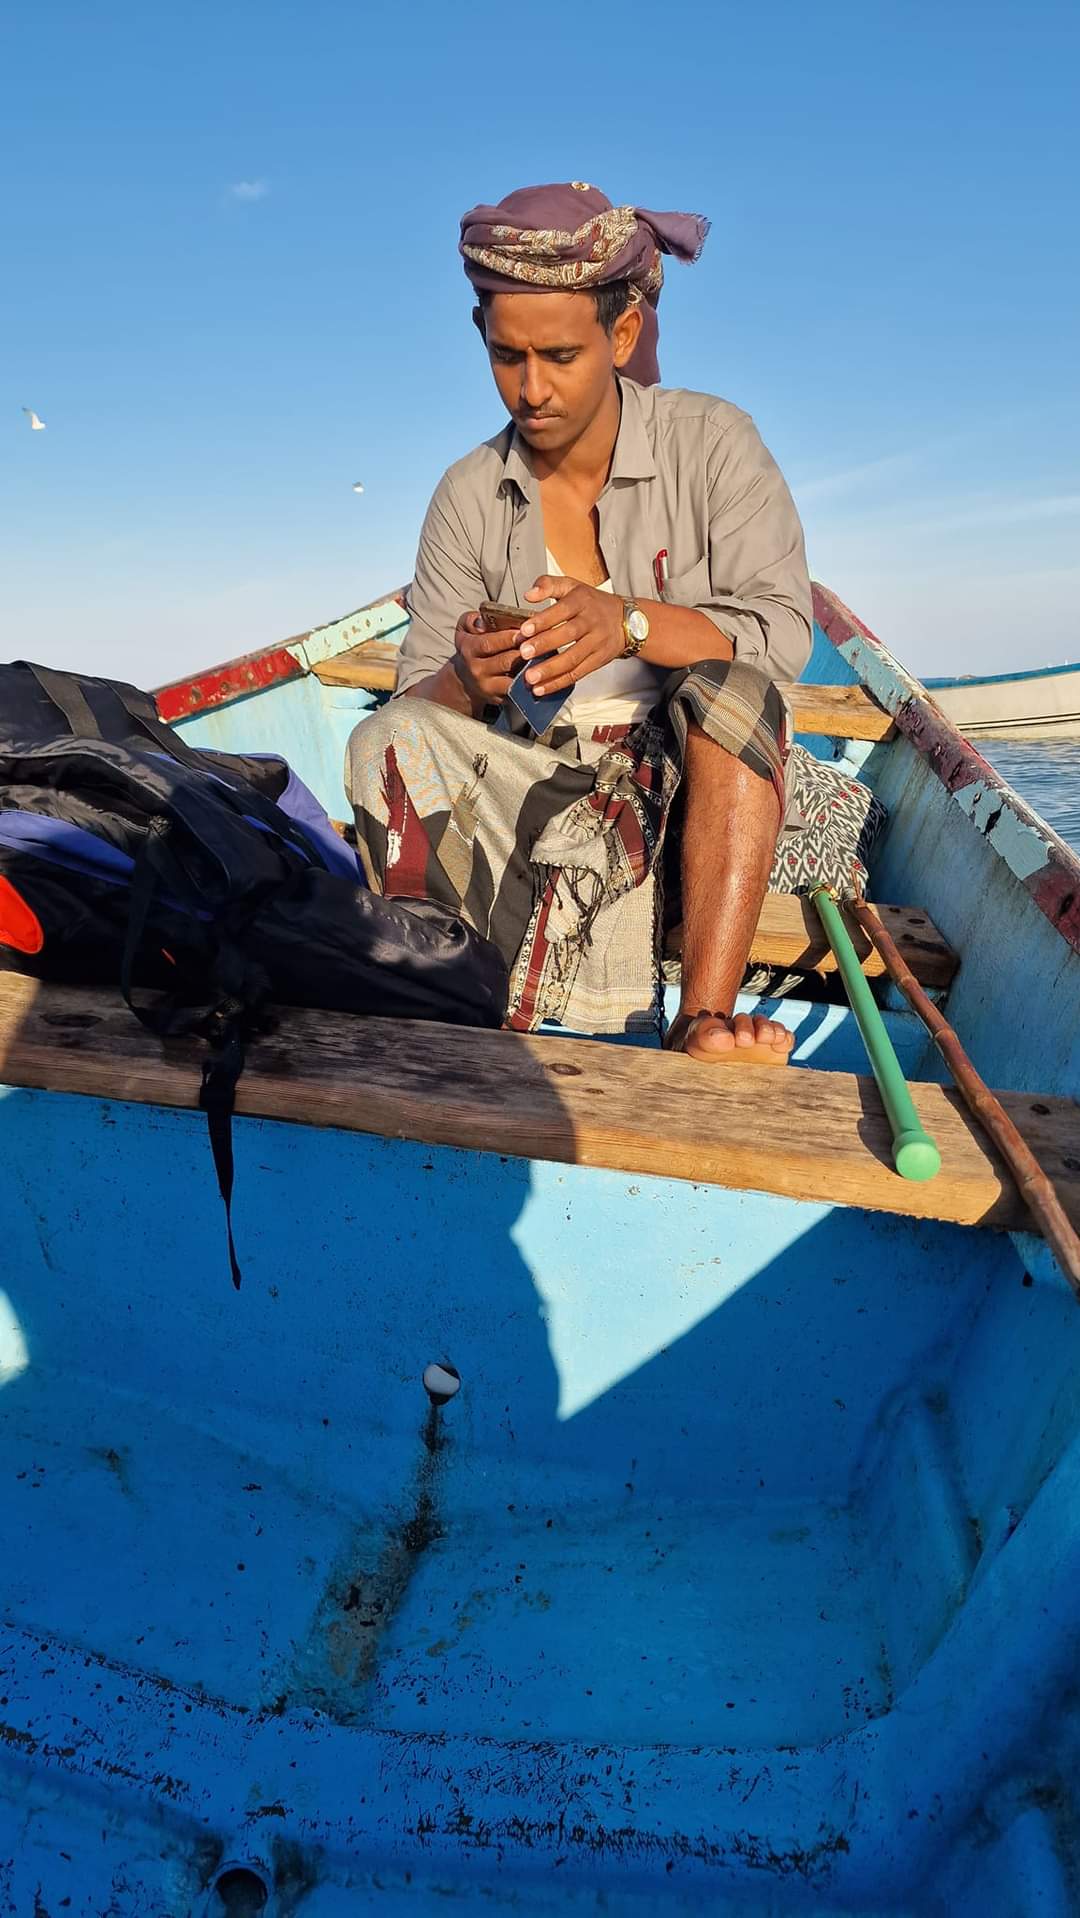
730	826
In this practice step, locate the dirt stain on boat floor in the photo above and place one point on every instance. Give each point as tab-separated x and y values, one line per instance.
364	1598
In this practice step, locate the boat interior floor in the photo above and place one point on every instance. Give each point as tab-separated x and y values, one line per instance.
704	1541
662	1617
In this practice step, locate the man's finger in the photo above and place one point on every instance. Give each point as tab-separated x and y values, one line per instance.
561	683
551	586
562	635
490	645
568	667
474	624
492	652
551	618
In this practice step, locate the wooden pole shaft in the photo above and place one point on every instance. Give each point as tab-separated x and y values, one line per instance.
1034	1186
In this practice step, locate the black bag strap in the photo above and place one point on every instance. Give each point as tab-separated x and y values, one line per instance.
217	1098
155	860
254	803
164	736
65	692
226	1027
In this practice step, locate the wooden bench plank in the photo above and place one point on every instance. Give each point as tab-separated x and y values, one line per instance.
842	712
789	933
372	667
801	1133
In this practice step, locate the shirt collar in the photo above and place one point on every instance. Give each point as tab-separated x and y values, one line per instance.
632	458
516	466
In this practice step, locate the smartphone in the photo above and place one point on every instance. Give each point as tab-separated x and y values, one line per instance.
537	709
505	619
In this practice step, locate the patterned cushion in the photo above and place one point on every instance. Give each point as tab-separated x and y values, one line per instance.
832	824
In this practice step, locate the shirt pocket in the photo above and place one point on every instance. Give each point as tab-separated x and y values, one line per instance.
693	588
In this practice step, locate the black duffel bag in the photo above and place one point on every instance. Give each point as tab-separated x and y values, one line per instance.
128	857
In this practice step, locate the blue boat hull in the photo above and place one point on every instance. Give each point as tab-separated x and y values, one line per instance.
741	1575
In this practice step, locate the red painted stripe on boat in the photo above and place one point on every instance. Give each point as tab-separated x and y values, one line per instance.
223	683
1055	886
252	673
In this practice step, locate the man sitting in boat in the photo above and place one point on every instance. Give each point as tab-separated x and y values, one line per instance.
656	539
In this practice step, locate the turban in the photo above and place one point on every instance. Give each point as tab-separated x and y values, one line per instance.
569	239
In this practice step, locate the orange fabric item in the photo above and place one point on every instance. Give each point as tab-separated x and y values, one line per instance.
20	927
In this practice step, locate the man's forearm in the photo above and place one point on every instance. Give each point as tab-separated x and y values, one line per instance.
444	688
681	636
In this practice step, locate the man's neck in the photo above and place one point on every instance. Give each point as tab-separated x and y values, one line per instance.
585	465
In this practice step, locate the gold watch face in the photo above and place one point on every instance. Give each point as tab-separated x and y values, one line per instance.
637	625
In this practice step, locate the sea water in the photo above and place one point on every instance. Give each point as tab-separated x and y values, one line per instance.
1046	774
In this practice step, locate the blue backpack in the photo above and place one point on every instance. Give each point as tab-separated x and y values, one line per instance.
128	857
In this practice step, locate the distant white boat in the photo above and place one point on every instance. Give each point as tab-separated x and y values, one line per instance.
1042	704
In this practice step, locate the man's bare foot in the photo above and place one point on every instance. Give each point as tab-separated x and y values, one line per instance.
742	1040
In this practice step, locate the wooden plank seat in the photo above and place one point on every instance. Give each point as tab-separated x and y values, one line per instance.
802	1133
841	712
371	666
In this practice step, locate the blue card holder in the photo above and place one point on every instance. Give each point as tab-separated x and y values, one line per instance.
536	709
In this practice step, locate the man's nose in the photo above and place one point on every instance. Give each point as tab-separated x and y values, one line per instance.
535	383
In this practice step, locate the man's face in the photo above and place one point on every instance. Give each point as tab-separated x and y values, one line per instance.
553	362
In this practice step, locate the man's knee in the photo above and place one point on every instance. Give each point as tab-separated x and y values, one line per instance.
421	720
420	717
742	680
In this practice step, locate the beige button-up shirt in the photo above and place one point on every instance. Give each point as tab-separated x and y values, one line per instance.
689	475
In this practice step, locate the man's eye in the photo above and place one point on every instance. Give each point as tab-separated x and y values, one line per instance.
504	355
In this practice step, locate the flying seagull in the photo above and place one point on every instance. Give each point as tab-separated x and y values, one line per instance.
37	426
358	486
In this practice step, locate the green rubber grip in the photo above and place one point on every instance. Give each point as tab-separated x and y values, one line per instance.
915	1155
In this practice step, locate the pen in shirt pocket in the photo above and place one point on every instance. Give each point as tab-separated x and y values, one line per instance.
661	571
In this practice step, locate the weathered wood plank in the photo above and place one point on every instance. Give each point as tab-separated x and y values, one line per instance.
842	712
804	1134
789	933
372	666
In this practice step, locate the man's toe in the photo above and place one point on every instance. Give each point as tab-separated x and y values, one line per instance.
771	1033
710	1035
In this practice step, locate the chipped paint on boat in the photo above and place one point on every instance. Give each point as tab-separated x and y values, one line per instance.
739	1576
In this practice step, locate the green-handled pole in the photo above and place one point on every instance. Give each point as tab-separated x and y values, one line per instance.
915	1155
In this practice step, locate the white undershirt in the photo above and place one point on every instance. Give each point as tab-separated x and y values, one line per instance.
616	694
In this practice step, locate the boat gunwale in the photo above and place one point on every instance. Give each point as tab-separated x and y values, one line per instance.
250	673
957	763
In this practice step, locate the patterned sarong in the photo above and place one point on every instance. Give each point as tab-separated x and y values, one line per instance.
554	848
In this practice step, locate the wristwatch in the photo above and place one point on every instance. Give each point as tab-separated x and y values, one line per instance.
635	629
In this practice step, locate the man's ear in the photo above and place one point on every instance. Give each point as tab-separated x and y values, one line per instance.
478	322
625	334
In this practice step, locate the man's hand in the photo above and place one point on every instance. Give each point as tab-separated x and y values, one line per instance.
484	661
587	622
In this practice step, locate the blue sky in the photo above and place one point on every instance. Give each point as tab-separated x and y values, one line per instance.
231	289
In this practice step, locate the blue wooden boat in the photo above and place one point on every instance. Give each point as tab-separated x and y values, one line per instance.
743	1572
